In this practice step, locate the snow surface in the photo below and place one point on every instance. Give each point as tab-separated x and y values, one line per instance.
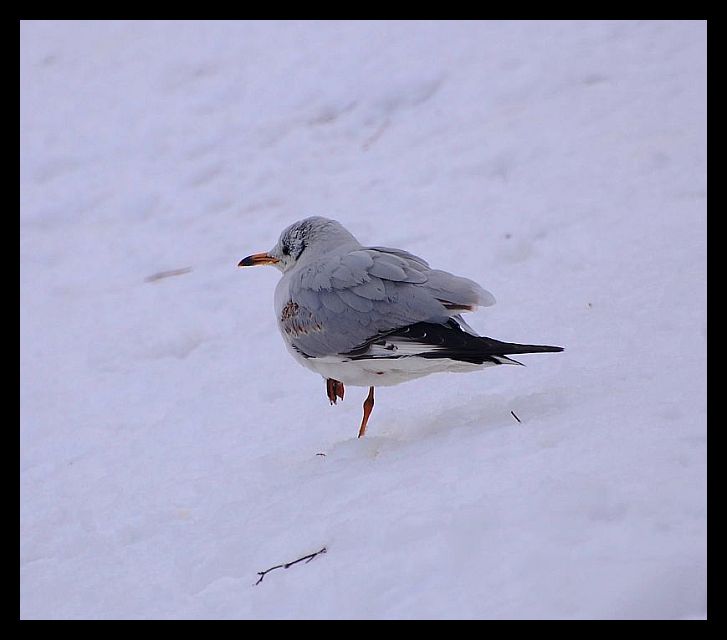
168	441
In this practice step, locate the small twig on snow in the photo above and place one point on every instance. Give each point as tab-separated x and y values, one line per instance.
375	135
307	559
514	416
167	274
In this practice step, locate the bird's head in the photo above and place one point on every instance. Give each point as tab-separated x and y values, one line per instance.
313	236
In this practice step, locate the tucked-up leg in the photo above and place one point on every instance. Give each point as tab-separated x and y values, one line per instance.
368	405
334	390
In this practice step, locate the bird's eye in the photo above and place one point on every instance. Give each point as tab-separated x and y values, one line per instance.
286	250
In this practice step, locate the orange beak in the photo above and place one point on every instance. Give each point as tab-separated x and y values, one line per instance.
257	259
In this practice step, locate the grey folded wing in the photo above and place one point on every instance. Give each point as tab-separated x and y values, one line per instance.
337	303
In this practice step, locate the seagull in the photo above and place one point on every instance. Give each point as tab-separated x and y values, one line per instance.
374	316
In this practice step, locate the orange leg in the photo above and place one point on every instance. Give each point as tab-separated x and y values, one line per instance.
334	390
368	405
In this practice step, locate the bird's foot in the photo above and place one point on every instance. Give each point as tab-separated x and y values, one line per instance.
368	406
334	390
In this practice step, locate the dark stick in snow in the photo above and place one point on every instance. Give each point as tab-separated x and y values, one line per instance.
167	274
307	559
514	416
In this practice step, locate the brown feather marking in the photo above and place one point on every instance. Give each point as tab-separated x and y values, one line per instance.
453	306
290	310
294	324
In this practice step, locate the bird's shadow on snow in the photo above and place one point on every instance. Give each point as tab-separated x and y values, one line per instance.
486	413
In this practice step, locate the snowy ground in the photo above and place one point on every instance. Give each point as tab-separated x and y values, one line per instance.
168	441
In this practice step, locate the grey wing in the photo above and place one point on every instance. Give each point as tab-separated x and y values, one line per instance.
340	302
400	253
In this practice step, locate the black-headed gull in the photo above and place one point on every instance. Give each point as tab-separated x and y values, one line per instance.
374	316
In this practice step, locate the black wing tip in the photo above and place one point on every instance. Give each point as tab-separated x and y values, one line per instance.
550	349
451	341
508	348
